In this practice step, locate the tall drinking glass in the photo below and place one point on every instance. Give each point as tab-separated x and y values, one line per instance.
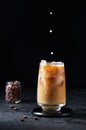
51	86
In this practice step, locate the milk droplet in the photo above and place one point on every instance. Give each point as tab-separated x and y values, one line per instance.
50	31
51	52
50	13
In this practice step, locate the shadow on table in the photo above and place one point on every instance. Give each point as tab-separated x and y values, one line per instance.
79	115
78	118
28	100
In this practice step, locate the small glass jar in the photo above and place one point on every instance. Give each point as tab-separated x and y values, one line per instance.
13	92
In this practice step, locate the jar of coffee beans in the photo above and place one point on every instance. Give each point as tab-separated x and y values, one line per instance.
13	91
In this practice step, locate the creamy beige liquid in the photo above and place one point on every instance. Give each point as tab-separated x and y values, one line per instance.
51	87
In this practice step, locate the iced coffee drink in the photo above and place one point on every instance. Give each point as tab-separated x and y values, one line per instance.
51	86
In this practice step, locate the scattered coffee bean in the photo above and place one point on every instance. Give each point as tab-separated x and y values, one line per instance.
24	116
36	118
11	106
22	119
15	108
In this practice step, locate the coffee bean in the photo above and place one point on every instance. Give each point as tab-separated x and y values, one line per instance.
11	106
36	118
15	108
13	91
22	119
24	116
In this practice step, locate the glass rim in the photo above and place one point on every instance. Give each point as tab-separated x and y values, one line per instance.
53	63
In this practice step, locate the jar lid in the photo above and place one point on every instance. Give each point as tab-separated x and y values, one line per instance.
13	83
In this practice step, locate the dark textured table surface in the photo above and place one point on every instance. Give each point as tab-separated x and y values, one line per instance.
10	119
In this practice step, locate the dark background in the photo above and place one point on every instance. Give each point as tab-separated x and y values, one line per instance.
25	40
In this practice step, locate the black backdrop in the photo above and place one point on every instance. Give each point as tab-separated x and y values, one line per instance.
25	40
